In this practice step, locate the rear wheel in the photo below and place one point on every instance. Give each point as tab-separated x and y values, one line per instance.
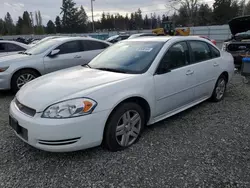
220	89
124	126
21	78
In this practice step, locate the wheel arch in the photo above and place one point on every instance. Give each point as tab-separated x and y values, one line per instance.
25	68
225	73
137	99
21	69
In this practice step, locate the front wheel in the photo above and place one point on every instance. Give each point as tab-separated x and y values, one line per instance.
22	77
124	126
220	89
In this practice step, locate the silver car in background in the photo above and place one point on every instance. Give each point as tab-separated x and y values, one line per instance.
11	47
36	42
52	55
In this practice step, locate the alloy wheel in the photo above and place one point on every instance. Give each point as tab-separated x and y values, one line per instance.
23	79
220	89
128	128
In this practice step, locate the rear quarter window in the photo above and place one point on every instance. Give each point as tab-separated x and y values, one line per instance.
200	51
215	52
89	45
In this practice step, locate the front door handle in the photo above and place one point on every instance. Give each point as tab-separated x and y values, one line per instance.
216	64
189	72
77	56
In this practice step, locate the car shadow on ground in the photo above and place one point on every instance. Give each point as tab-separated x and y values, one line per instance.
6	93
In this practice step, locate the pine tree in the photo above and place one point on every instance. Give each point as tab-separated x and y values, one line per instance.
82	20
50	27
9	25
69	18
2	27
26	23
58	25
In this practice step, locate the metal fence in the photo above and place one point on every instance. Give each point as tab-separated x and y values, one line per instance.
216	32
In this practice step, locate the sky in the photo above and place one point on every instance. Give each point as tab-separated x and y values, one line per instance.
51	8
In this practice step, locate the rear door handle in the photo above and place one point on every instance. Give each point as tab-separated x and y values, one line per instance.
216	64
77	56
189	72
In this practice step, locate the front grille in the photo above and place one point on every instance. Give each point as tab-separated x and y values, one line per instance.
58	142
25	109
241	47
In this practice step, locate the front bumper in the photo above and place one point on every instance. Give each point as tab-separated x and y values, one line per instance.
61	135
5	78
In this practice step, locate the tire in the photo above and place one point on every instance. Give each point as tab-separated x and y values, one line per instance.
219	89
117	137
26	75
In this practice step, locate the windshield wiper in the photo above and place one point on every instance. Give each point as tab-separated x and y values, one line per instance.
25	53
86	66
112	70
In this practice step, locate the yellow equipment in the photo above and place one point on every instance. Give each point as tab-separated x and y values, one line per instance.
168	28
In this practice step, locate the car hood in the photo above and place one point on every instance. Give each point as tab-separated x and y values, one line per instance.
14	57
239	24
64	84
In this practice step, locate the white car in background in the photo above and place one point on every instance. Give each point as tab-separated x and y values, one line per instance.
11	47
49	56
36	42
133	83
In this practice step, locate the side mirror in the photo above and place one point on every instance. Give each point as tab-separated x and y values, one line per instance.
54	52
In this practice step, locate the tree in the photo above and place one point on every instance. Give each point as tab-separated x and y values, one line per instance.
51	27
32	21
26	23
58	25
9	25
224	10
138	19
146	22
204	16
247	8
39	23
190	7
19	25
82	20
2	27
69	18
158	21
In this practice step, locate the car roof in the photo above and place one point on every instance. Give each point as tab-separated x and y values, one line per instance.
14	42
164	38
64	39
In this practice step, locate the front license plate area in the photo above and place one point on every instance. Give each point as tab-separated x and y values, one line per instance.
18	129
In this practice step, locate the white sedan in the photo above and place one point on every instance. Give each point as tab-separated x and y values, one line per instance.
11	47
134	83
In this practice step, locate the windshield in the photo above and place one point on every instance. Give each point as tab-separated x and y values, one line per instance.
133	57
42	47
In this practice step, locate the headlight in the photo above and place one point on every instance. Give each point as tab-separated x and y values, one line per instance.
70	108
2	69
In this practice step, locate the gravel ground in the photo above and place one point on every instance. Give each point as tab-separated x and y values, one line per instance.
206	146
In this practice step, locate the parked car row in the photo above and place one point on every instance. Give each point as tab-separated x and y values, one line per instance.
48	56
110	99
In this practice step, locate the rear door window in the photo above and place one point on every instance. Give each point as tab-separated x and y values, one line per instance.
89	45
14	48
3	47
200	51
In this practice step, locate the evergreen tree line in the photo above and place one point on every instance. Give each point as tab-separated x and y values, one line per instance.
74	19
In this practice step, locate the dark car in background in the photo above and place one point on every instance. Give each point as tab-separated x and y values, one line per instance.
239	43
117	38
